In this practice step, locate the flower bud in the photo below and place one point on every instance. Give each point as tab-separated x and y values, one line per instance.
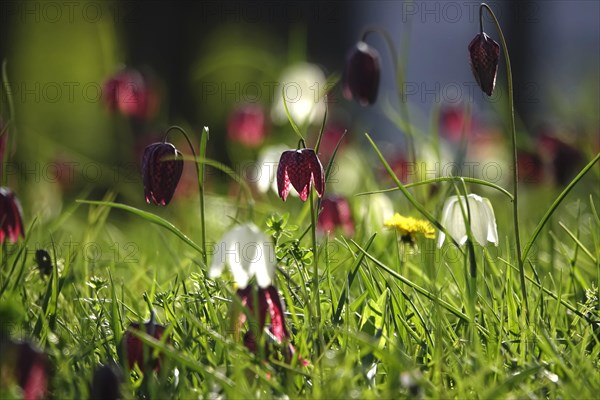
162	167
361	76
484	53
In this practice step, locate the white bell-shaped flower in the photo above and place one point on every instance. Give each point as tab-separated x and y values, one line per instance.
483	221
248	252
303	86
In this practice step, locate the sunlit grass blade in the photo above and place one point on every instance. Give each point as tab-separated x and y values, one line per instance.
443	179
555	205
147	216
413	285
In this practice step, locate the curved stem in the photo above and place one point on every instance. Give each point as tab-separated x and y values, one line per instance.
9	141
200	173
511	109
318	144
399	76
317	295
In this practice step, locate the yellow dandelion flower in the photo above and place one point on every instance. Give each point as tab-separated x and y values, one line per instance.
408	227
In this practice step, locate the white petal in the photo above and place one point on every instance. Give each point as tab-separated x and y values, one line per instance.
492	228
267	167
478	223
218	263
248	252
263	258
456	223
446	218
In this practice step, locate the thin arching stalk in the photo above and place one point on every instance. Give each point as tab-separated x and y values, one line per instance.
511	109
200	172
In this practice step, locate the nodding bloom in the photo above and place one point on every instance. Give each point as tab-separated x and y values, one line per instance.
300	168
409	227
270	303
11	216
162	165
361	76
134	347
563	159
454	122
249	253
128	92
268	159
335	212
247	125
106	383
484	54
29	367
480	214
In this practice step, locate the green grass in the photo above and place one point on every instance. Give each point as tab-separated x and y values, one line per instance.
394	323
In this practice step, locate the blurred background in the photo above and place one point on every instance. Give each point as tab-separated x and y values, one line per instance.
93	82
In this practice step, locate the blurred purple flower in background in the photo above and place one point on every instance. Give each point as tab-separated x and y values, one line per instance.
11	216
131	94
361	76
247	125
335	213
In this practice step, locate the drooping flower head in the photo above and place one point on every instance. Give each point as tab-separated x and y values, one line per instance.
361	76
134	347
484	54
106	383
249	253
162	165
409	227
482	220
24	364
335	212
269	304
300	168
247	125
11	216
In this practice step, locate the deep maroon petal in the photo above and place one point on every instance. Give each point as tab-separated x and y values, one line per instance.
484	54
299	168
134	347
106	383
276	312
11	216
316	169
162	167
299	172
283	179
32	371
361	75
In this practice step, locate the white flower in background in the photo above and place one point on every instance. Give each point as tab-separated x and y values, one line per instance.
483	221
303	86
267	163
375	209
248	252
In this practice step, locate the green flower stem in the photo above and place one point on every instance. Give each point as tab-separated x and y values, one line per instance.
511	108
317	295
200	172
10	145
399	76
